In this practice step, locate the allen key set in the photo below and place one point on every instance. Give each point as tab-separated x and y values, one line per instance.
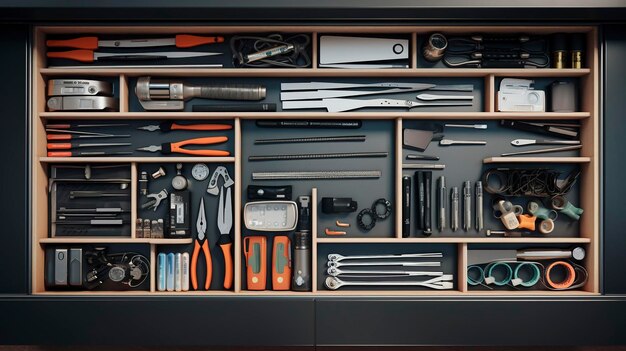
319	162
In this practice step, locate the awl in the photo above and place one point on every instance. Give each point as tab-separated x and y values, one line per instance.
89	56
92	43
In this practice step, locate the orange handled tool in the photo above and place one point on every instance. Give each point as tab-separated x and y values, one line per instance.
201	230
169	126
178	147
53	137
68	146
91	56
224	224
281	263
92	43
255	251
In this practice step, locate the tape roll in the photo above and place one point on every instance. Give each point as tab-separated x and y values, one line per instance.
501	265
570	277
535	271
481	275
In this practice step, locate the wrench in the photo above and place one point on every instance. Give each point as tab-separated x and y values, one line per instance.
338	257
156	200
384	263
440	283
334	271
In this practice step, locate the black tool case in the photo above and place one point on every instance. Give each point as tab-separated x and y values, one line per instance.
323	317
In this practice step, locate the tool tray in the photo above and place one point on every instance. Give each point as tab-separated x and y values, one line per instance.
382	127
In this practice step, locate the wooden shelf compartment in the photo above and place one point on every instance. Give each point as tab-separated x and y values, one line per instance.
113	240
455	240
318	72
131	159
318	115
537	159
589	178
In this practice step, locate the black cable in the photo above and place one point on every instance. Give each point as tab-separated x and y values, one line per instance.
241	46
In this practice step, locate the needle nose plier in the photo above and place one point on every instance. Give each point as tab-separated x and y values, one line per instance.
200	242
177	147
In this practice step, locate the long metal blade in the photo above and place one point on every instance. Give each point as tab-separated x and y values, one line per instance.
333	85
325	94
167	54
136	43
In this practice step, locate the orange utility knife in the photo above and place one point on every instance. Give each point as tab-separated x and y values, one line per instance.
281	263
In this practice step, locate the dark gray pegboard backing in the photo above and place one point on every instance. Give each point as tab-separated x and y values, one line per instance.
211	202
113	80
226	57
379	136
465	162
448	262
273	92
557	274
140	138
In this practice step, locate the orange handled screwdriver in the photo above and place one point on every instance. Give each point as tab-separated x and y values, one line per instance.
92	43
177	147
68	146
169	126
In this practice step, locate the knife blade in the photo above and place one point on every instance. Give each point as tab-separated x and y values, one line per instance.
326	94
334	85
341	105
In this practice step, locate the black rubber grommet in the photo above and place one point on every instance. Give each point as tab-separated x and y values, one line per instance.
366	212
385	203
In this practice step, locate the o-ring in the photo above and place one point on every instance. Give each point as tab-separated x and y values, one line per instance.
509	273
385	203
481	275
533	280
366	212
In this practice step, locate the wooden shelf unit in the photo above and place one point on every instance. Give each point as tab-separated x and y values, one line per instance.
589	156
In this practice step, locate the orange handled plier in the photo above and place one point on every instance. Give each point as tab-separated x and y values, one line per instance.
177	147
204	244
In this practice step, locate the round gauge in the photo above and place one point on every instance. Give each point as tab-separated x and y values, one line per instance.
200	171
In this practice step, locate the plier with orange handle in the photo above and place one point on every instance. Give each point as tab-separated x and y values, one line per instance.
178	147
204	244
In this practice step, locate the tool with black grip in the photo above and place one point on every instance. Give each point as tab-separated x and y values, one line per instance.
170	95
302	247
